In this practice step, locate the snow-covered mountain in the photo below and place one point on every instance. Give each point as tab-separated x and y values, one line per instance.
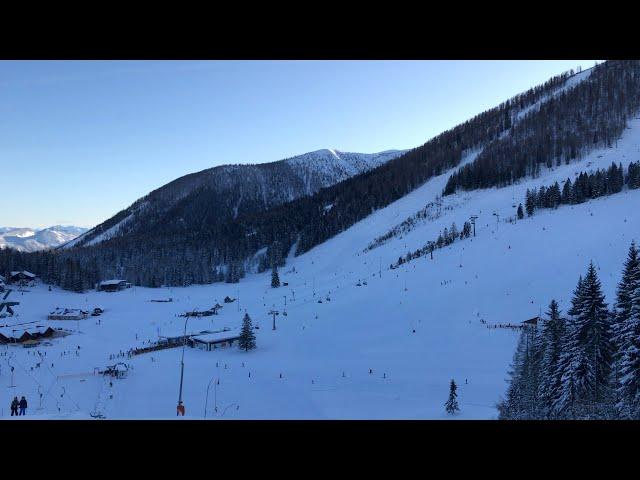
31	239
364	336
383	344
230	190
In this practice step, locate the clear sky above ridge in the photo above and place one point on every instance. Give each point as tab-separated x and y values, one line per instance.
81	140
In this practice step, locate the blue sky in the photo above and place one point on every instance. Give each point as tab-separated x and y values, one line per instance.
82	140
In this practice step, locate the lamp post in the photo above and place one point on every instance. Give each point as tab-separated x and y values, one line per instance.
497	220
184	344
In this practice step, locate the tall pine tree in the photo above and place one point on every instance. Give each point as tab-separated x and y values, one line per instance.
553	333
451	405
247	340
586	357
275	278
627	339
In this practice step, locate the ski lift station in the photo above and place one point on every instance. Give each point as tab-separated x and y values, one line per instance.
211	341
532	322
119	370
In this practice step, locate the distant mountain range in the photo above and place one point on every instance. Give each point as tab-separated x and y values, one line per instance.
229	191
27	239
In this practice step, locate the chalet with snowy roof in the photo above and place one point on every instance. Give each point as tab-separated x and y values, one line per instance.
179	338
21	276
211	341
68	314
25	335
532	322
113	285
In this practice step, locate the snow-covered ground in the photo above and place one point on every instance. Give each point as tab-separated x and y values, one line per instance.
416	327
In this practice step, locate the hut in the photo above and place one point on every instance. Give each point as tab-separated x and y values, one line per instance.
68	314
119	370
21	276
532	322
203	313
30	335
211	341
113	285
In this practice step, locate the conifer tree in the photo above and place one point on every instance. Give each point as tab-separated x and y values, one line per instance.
567	192
513	406
530	202
275	278
627	338
451	405
624	292
586	358
520	212
247	340
553	332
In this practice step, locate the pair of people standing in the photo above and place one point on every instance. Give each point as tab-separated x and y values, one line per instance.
15	404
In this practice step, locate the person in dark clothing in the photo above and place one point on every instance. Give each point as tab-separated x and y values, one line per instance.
22	405
14	406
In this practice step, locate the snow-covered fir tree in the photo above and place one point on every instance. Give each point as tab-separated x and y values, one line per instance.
586	356
627	338
530	202
513	406
275	278
451	405
247	340
552	336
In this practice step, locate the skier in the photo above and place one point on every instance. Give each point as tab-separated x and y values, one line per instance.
14	406
23	405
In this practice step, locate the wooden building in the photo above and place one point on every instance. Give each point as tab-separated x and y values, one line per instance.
113	285
211	341
532	322
68	314
22	335
21	276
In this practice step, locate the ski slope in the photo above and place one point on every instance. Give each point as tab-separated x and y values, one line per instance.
415	327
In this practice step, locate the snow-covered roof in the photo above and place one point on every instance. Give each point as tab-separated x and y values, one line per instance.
67	311
11	331
24	272
180	334
112	282
2	279
217	337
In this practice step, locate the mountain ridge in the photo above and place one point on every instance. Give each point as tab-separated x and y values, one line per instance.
240	188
